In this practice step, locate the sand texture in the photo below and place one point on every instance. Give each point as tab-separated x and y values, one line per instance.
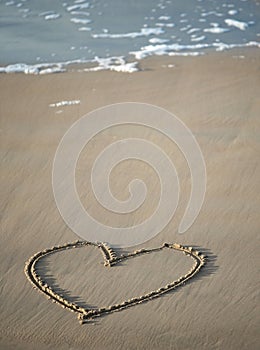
217	97
33	271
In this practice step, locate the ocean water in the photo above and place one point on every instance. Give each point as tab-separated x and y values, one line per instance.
45	36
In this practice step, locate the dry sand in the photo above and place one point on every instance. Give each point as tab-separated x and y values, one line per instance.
217	96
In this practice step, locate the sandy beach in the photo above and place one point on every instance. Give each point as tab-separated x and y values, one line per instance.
217	97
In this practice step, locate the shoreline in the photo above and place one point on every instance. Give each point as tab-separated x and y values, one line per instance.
120	64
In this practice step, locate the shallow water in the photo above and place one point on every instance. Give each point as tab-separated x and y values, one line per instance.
37	32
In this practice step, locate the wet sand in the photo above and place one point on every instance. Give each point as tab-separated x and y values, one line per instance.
216	96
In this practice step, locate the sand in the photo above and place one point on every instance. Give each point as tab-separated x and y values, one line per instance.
217	97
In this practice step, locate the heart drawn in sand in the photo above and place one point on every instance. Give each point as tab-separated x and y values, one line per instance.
110	259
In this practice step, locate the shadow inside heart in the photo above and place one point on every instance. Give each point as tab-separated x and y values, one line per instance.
134	278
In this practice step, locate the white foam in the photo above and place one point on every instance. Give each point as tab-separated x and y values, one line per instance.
20	68
116	64
198	38
150	50
164	18
216	30
232	12
158	41
80	20
163	49
65	103
238	24
143	32
183	29
193	30
51	70
168	25
223	46
84	29
52	16
46	13
205	14
40	68
80	6
189	50
79	13
125	68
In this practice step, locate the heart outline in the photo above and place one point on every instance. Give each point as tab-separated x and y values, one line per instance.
110	259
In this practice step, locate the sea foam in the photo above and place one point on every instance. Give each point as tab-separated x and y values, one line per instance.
186	50
80	20
117	64
142	32
238	24
80	6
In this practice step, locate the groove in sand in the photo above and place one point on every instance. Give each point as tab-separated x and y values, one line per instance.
110	259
